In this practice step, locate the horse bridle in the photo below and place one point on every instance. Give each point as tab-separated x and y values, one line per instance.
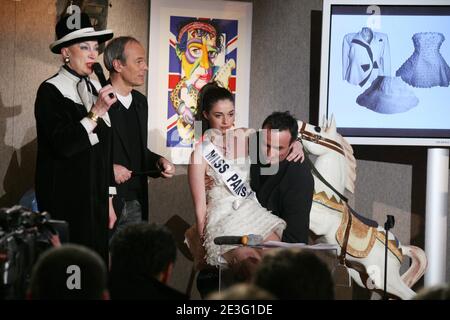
333	145
318	139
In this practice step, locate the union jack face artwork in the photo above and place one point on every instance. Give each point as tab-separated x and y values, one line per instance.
200	50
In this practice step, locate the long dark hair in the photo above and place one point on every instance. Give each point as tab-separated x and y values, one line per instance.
208	95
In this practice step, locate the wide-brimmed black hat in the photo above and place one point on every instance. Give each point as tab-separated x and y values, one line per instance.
68	33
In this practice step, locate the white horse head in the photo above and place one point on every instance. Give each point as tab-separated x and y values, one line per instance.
329	217
330	146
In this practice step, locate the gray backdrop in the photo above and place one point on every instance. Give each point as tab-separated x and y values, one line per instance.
284	76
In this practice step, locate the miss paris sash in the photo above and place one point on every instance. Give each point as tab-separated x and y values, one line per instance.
237	185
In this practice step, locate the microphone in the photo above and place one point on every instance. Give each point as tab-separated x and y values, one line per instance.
98	70
247	240
390	222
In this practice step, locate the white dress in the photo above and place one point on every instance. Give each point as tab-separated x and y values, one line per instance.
229	216
388	95
426	67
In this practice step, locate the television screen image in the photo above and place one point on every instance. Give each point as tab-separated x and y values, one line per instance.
385	72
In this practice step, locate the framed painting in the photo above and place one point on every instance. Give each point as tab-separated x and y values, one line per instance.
193	42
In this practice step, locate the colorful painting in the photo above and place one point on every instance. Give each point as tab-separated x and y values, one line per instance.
192	43
201	50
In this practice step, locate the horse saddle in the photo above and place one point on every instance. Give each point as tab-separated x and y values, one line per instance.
362	236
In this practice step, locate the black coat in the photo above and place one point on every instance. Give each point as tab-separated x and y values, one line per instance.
132	287
149	158
72	175
288	194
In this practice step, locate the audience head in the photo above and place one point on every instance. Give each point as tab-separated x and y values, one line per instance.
441	292
295	274
143	250
69	272
242	291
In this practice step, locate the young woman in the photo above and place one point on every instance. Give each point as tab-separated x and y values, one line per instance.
228	207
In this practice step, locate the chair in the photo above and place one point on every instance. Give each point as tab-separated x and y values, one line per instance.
178	226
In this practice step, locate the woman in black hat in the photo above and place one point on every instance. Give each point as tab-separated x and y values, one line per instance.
74	169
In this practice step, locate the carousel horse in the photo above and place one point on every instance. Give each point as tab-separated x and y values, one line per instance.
361	241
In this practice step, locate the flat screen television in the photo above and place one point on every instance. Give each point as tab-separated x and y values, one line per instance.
385	71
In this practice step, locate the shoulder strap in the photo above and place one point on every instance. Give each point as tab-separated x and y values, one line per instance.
321	178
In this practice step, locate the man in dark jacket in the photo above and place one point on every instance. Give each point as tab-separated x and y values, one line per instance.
288	192
125	59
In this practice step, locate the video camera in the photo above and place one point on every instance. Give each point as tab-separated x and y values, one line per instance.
24	235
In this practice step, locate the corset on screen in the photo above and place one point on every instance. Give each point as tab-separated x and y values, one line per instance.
426	67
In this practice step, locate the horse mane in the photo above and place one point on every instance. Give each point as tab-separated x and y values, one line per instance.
350	163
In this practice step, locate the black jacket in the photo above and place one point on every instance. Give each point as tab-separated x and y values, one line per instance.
288	194
142	288
72	175
149	158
